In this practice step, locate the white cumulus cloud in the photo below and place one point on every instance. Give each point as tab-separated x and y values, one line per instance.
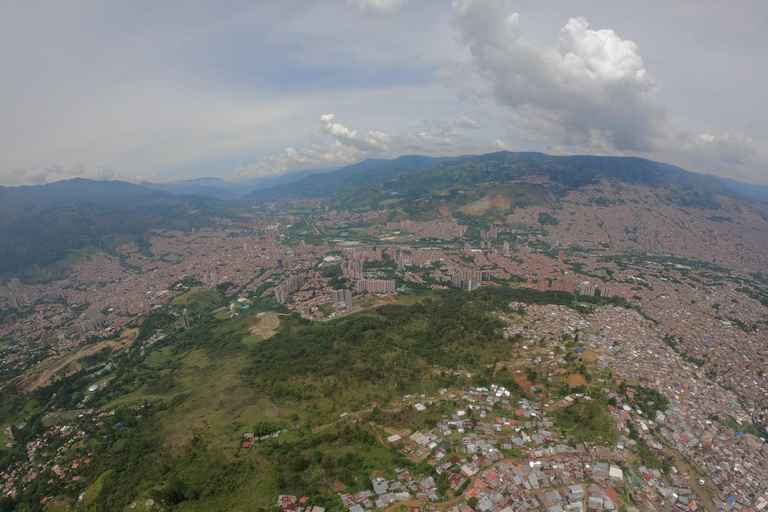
362	140
347	146
335	144
589	88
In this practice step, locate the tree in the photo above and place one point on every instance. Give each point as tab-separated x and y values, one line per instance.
7	504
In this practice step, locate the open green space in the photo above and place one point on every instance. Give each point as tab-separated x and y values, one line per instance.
587	421
182	404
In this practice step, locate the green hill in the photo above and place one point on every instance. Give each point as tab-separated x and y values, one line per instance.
515	179
352	177
41	225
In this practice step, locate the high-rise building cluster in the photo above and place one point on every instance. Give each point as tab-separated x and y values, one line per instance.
286	263
352	269
587	289
491	233
342	298
93	320
365	253
465	284
563	285
55	295
381	286
467	280
19	299
11	320
401	224
288	286
211	278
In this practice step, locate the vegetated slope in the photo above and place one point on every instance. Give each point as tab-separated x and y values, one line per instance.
374	355
594	202
265	182
40	225
208	187
352	177
476	175
759	192
182	404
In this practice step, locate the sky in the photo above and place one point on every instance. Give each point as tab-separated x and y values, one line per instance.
144	90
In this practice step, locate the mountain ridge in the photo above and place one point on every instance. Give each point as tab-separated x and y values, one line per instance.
357	175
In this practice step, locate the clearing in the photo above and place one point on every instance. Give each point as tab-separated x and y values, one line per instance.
267	325
70	363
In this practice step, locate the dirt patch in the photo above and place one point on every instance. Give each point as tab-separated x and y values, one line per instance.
482	205
383	301
576	380
443	211
402	433
523	382
267	326
338	486
70	363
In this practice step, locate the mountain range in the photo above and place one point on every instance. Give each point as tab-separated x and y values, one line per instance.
42	224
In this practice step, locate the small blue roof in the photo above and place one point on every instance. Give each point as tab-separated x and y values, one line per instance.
578	350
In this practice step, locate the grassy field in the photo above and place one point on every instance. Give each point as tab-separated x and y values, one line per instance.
587	421
198	301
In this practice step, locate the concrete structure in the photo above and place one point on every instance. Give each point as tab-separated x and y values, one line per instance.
376	286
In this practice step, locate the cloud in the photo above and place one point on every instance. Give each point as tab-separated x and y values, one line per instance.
591	88
589	92
362	140
377	6
500	145
348	146
466	123
732	154
334	144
